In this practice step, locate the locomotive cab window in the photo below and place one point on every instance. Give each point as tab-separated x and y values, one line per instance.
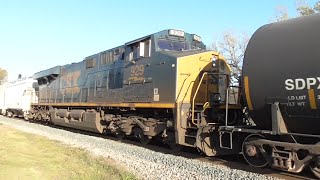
169	45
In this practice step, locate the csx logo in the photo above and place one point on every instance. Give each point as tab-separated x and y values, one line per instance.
300	84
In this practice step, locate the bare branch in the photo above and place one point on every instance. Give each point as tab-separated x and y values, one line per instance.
232	46
281	14
317	7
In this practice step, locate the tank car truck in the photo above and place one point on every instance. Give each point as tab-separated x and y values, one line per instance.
17	97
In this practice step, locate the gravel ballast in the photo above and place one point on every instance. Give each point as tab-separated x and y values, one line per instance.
144	163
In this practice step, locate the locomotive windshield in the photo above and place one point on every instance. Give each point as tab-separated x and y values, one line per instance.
170	45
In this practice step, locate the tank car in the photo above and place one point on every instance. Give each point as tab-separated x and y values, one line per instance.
161	85
281	85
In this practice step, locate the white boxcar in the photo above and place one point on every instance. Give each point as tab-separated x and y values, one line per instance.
18	96
2	87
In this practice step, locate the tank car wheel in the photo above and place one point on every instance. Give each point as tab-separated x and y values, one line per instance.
251	153
315	165
138	133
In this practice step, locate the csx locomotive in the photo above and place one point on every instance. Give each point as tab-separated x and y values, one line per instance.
168	86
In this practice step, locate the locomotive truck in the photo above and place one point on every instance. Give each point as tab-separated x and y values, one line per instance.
168	86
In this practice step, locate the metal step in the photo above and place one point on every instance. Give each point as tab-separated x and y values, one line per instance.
191	136
198	110
192	128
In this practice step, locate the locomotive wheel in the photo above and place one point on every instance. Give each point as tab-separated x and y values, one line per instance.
174	146
171	142
315	165
120	135
138	133
315	170
251	153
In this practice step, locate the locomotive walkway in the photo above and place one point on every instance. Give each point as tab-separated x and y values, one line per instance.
142	162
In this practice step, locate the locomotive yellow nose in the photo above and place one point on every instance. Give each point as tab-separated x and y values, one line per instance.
189	73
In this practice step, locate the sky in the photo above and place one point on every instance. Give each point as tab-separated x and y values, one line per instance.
38	34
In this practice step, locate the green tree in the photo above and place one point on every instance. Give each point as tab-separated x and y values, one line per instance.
3	75
302	7
305	9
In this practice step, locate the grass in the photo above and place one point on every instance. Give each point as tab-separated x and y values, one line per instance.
28	156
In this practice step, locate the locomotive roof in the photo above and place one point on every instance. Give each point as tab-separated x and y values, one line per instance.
184	53
57	69
52	71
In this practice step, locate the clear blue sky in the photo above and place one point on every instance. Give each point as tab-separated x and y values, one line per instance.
38	34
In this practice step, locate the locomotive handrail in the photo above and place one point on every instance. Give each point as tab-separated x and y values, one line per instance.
51	95
194	97
195	94
227	105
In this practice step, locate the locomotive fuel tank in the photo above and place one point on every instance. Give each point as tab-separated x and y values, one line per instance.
281	64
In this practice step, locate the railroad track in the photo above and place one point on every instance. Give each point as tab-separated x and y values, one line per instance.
231	161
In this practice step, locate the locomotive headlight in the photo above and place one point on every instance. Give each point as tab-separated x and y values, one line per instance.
216	98
174	32
214	64
197	38
214	60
